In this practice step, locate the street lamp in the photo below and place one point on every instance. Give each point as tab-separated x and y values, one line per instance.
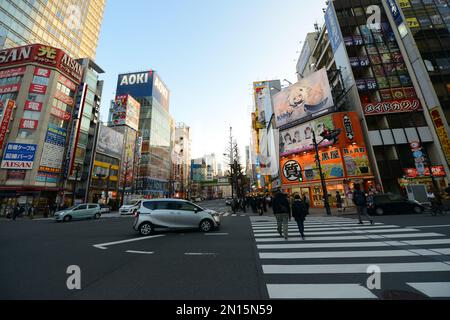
331	136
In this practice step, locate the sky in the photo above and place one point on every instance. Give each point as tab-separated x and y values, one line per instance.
208	53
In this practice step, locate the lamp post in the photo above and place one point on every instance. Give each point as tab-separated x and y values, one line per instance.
332	136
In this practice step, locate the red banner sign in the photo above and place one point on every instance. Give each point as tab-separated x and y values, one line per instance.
64	98
28	124
438	171
38	88
41	72
394	106
4	125
33	106
12	72
60	114
69	84
9	88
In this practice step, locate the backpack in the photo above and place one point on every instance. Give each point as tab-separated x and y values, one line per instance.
359	198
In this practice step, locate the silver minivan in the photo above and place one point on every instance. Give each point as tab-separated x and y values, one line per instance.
173	214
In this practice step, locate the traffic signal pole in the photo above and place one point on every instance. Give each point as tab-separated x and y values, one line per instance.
322	177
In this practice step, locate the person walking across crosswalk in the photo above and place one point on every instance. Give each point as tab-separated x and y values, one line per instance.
282	212
299	212
360	201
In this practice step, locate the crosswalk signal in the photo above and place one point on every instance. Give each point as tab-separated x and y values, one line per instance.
300	177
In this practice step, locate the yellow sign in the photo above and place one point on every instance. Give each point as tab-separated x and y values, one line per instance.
404	3
441	131
413	22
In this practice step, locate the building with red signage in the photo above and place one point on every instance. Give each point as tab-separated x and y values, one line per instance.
38	86
371	73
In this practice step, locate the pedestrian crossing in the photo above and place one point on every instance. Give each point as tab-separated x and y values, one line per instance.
336	260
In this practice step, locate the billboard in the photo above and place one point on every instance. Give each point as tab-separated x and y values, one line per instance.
309	97
300	139
53	151
19	156
6	119
333	28
110	142
138	84
125	111
160	92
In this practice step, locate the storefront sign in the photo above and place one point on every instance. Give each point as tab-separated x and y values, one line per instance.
9	88
38	88
46	177
16	174
348	127
33	106
69	84
53	152
356	161
4	125
63	115
28	124
64	98
395	106
292	170
71	67
441	131
438	171
41	72
12	72
19	156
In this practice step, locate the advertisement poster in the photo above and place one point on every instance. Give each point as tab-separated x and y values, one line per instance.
133	112
300	138
53	152
6	119
441	131
110	142
19	156
28	124
308	97
356	161
12	72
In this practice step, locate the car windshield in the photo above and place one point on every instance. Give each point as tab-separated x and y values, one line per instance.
71	208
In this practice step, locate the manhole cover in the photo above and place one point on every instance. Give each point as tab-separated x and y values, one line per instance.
402	295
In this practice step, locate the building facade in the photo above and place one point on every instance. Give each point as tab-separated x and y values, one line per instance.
73	26
154	128
182	165
39	85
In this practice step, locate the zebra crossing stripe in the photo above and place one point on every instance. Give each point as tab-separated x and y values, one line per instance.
356	268
319	291
432	289
354	232
343	238
274	225
356	228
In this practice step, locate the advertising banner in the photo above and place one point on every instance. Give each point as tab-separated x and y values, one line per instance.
394	106
300	139
333	28
356	161
46	177
69	84
4	125
9	88
441	131
310	96
64	98
138	84
63	115
119	110
41	72
110	142
438	171
33	106
12	72
38	88
160	92
19	156
28	124
53	151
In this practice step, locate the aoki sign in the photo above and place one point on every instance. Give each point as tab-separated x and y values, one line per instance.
395	106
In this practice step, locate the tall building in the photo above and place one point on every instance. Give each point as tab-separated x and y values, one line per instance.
154	128
38	105
73	26
183	165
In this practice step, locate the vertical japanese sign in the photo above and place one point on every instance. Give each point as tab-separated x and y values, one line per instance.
441	131
334	31
4	125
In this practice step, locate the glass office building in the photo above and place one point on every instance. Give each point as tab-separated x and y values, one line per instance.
73	26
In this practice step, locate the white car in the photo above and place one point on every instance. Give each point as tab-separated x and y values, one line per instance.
131	208
173	214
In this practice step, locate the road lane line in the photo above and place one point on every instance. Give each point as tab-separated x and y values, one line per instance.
357	268
319	291
139	252
103	246
216	234
199	254
433	226
432	289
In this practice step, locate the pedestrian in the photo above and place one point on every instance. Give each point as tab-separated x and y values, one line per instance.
282	213
234	205
339	202
31	212
264	202
360	201
16	212
299	212
447	190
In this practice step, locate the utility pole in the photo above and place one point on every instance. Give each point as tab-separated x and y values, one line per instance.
77	169
124	182
107	185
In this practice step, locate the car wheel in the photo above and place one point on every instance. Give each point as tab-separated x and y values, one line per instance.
417	209
379	211
206	226
146	229
67	218
97	216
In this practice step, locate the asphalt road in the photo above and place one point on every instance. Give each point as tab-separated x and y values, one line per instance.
241	261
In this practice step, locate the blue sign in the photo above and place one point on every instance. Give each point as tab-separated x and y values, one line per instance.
137	85
19	156
395	11
334	31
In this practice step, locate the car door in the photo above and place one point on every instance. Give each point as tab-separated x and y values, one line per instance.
80	212
187	215
92	210
163	215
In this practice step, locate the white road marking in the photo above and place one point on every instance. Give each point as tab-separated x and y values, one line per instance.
139	252
343	238
432	289
199	254
427	242
353	232
356	268
434	226
216	234
227	214
103	246
319	291
351	244
274	225
355	228
352	254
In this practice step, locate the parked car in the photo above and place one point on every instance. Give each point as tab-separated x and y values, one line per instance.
173	214
130	208
229	201
78	212
389	203
105	208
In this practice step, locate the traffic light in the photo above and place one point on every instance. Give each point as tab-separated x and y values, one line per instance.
300	177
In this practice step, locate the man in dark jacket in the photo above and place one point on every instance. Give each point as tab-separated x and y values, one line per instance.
282	213
299	212
360	201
